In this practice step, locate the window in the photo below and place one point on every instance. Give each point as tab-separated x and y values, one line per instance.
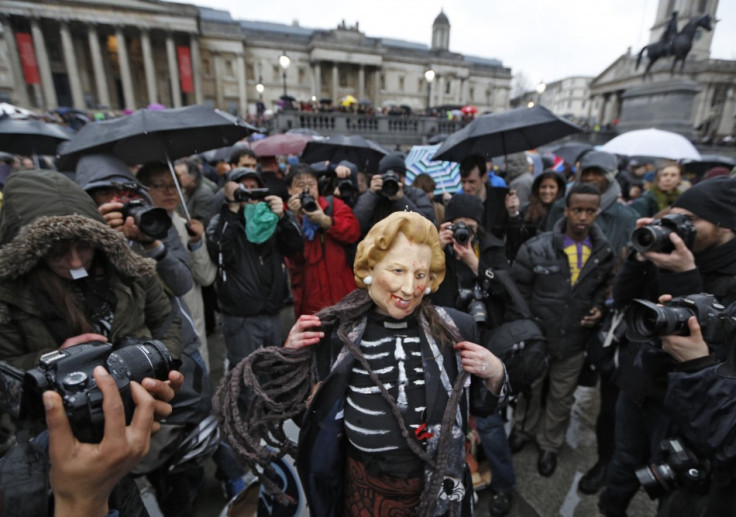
229	72
401	83
276	70
420	85
448	86
382	80
302	75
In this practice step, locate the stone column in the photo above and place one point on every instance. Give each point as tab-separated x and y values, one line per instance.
125	77
335	84
242	94
70	61
219	98
196	68
317	80
173	72
377	87
103	95
727	113
20	92
44	68
148	66
602	110
361	82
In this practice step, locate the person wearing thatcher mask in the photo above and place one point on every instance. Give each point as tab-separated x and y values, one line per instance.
707	265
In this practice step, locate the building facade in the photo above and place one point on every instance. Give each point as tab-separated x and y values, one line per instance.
91	54
714	104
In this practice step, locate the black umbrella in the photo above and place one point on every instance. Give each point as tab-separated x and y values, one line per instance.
499	134
156	135
707	162
437	139
287	98
222	154
304	131
363	152
30	137
571	151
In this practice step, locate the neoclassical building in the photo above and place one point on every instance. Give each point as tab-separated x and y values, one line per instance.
713	81
132	53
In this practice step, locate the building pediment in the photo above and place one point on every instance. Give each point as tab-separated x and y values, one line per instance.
622	69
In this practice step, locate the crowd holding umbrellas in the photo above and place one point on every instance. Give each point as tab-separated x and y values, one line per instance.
160	134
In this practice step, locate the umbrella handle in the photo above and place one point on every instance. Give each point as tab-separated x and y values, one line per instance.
178	187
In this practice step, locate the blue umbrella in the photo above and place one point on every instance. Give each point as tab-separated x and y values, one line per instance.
445	174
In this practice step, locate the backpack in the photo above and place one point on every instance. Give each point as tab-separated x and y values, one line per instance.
520	343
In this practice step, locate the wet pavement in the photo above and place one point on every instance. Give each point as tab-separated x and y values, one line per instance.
535	496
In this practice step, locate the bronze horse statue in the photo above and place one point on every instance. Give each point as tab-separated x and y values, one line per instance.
679	47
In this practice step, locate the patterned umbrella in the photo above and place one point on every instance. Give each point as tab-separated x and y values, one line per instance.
446	174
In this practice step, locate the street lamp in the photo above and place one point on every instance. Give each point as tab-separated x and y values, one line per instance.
541	87
429	76
284	61
259	86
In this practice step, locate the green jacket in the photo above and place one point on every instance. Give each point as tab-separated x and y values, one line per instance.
42	207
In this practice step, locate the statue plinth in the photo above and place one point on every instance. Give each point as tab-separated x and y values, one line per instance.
665	105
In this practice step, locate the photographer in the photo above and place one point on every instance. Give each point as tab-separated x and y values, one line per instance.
247	240
339	180
387	194
320	275
471	256
705	216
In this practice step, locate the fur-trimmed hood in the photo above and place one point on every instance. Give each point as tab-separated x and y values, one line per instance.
44	207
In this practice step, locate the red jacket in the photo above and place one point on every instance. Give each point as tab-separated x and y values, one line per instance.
320	275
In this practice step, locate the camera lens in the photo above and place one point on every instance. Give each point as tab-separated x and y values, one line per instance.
390	184
308	202
657	479
154	222
648	320
652	238
140	360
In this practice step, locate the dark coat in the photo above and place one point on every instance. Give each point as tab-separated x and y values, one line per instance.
371	207
250	279
542	273
322	442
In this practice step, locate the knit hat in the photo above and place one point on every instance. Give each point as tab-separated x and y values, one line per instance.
712	200
243	172
464	205
392	162
601	160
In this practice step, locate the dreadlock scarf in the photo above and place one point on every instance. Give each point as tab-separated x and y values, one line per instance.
277	383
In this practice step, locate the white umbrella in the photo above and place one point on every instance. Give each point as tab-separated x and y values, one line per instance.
652	142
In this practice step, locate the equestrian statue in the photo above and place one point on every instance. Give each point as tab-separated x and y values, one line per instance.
674	43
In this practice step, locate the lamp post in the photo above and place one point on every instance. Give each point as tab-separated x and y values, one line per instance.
541	87
259	86
429	76
284	61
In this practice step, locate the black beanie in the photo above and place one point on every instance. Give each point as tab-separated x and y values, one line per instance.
392	162
464	205
713	200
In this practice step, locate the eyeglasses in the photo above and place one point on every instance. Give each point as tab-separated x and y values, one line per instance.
163	187
61	249
305	184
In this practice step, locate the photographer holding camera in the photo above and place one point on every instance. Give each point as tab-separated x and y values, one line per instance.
387	194
705	216
320	275
471	256
247	240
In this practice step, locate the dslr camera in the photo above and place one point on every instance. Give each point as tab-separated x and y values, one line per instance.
646	320
472	301
328	182
309	204
390	183
151	220
656	236
69	373
461	232
247	194
680	466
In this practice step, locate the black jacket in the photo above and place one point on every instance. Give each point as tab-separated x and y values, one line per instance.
458	275
251	279
542	273
371	207
643	368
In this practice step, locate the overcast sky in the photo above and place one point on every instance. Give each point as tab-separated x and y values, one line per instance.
544	39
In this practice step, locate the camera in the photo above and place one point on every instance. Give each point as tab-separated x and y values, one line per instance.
247	194
680	466
472	301
461	232
328	182
646	320
390	183
656	236
153	221
69	372
309	204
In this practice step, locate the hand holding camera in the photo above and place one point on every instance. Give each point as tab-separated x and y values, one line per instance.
388	184
685	348
82	475
665	242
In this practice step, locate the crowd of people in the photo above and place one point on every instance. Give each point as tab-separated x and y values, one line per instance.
394	293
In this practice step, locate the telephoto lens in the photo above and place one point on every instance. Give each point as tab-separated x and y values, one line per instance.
390	183
309	204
